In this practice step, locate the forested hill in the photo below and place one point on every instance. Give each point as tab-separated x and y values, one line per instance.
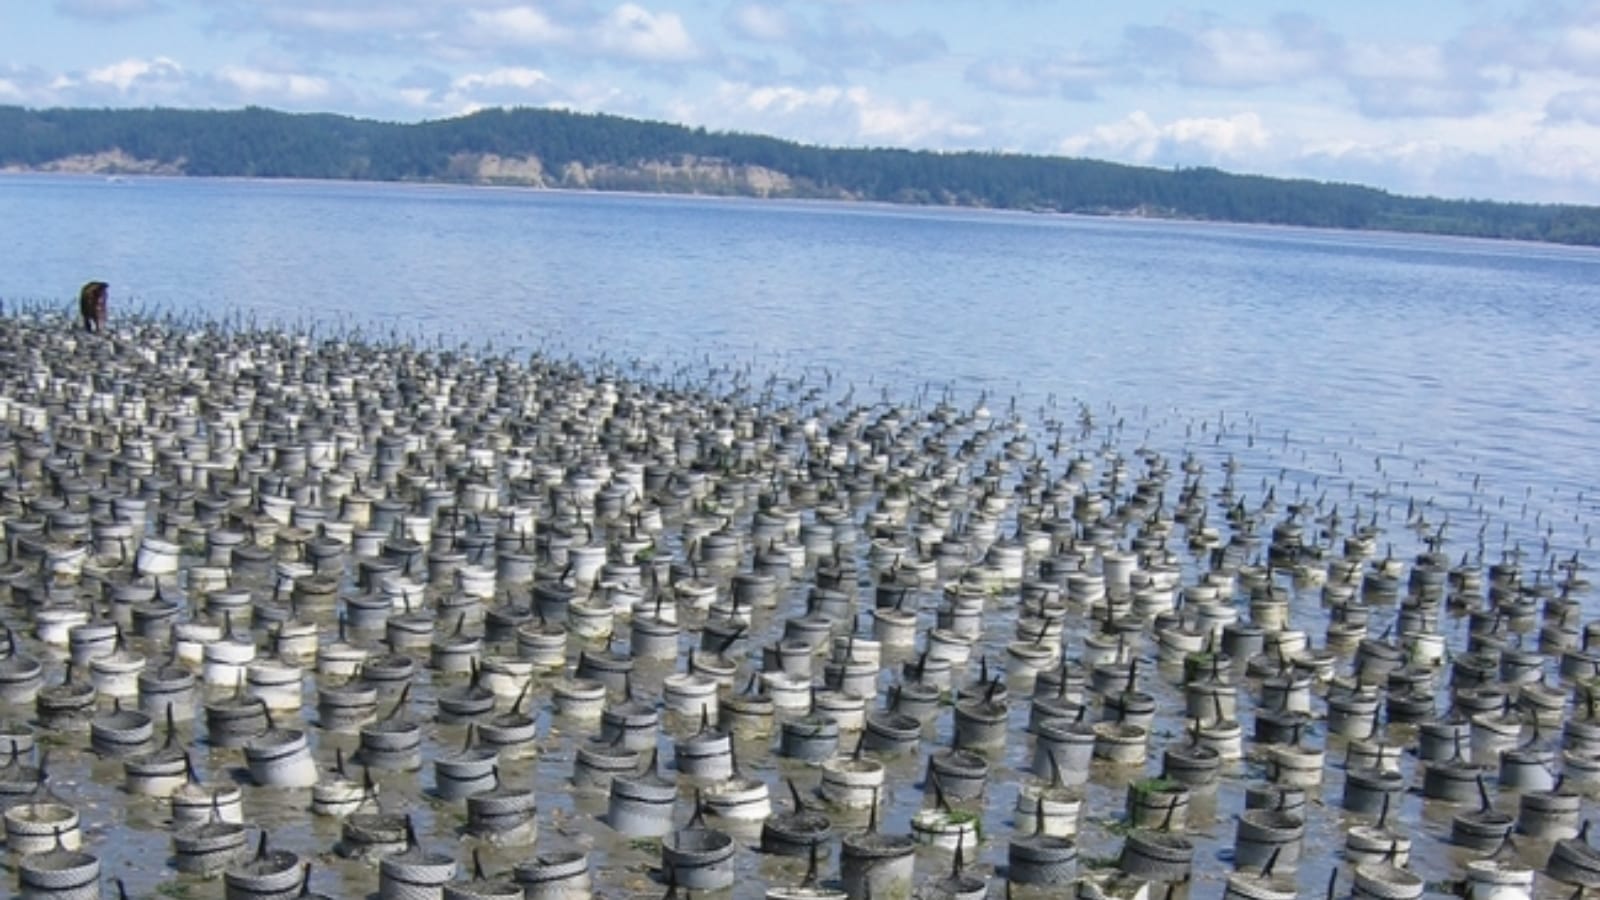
552	148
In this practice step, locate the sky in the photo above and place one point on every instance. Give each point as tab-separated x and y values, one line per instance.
1494	99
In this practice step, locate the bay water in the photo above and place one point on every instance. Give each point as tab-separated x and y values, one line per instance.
1466	362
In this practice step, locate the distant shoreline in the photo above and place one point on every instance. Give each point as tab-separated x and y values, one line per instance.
555	149
879	206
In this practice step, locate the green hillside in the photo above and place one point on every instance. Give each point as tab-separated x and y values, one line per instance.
556	148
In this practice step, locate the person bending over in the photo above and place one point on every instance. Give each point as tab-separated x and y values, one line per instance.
92	305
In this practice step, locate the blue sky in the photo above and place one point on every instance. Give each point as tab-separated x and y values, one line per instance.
1472	98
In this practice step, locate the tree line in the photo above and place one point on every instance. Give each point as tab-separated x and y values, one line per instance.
264	143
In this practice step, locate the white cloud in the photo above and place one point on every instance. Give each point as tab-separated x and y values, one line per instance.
1578	47
278	85
760	22
133	81
1251	57
1189	141
832	114
782	98
1409	79
1574	106
418	97
125	74
1222	136
628	32
1407	62
901	122
1550	158
1405	160
512	77
632	31
128	81
434	94
516	25
1383	77
1490	157
1207	52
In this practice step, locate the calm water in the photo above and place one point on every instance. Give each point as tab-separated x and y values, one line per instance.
1459	355
1379	370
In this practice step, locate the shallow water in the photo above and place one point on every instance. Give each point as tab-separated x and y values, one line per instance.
1458	350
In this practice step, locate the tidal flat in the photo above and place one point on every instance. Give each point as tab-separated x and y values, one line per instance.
388	619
